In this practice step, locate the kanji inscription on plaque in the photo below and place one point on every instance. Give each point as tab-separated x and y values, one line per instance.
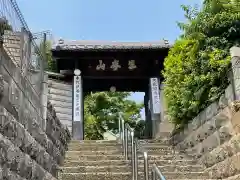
100	66
131	65
115	65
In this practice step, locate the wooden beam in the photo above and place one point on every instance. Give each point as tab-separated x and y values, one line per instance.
115	77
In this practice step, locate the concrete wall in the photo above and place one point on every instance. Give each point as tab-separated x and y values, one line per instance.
60	95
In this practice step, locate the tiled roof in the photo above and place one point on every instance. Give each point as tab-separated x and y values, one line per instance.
83	44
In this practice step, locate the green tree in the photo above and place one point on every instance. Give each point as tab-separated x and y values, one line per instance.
101	112
4	25
45	50
196	67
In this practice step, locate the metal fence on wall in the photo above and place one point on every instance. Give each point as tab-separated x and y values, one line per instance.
27	52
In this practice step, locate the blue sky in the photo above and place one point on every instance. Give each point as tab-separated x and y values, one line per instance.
116	20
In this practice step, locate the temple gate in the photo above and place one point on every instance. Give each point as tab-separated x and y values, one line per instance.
100	66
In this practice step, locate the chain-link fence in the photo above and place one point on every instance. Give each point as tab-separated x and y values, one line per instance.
24	64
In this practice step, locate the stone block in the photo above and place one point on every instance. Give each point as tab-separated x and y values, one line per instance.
227	168
236	122
196	122
211	142
203	116
204	131
222	152
223	101
25	148
225	133
5	173
211	111
15	160
223	118
22	139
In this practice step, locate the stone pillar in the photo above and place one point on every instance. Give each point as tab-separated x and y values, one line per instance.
235	55
164	127
162	105
148	125
154	95
25	63
77	128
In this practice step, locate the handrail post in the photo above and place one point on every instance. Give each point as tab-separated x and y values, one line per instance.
132	154
122	132
119	126
145	156
153	175
135	160
126	143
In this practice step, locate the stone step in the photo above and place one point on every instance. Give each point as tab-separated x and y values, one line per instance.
128	176
92	145
155	148
62	104
60	92
109	152
96	142
171	157
155	145
59	85
63	110
66	122
162	152
57	100
56	97
74	163
152	145
152	141
94	157
128	168
169	152
118	151
92	148
64	116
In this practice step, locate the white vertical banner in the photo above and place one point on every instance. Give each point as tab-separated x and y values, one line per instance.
155	93
77	99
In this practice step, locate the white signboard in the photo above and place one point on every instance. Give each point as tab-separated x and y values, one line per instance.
155	95
77	99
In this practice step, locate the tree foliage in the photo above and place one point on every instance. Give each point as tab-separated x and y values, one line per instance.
101	112
4	25
196	68
45	49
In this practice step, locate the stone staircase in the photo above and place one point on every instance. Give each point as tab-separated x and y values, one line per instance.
60	95
101	160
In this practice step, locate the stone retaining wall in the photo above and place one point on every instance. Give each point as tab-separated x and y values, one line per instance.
31	147
214	135
31	154
211	128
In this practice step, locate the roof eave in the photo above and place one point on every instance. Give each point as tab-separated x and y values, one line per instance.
109	48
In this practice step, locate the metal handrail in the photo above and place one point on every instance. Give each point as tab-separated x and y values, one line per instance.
156	173
124	131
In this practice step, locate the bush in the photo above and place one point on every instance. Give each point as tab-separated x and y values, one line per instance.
196	67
